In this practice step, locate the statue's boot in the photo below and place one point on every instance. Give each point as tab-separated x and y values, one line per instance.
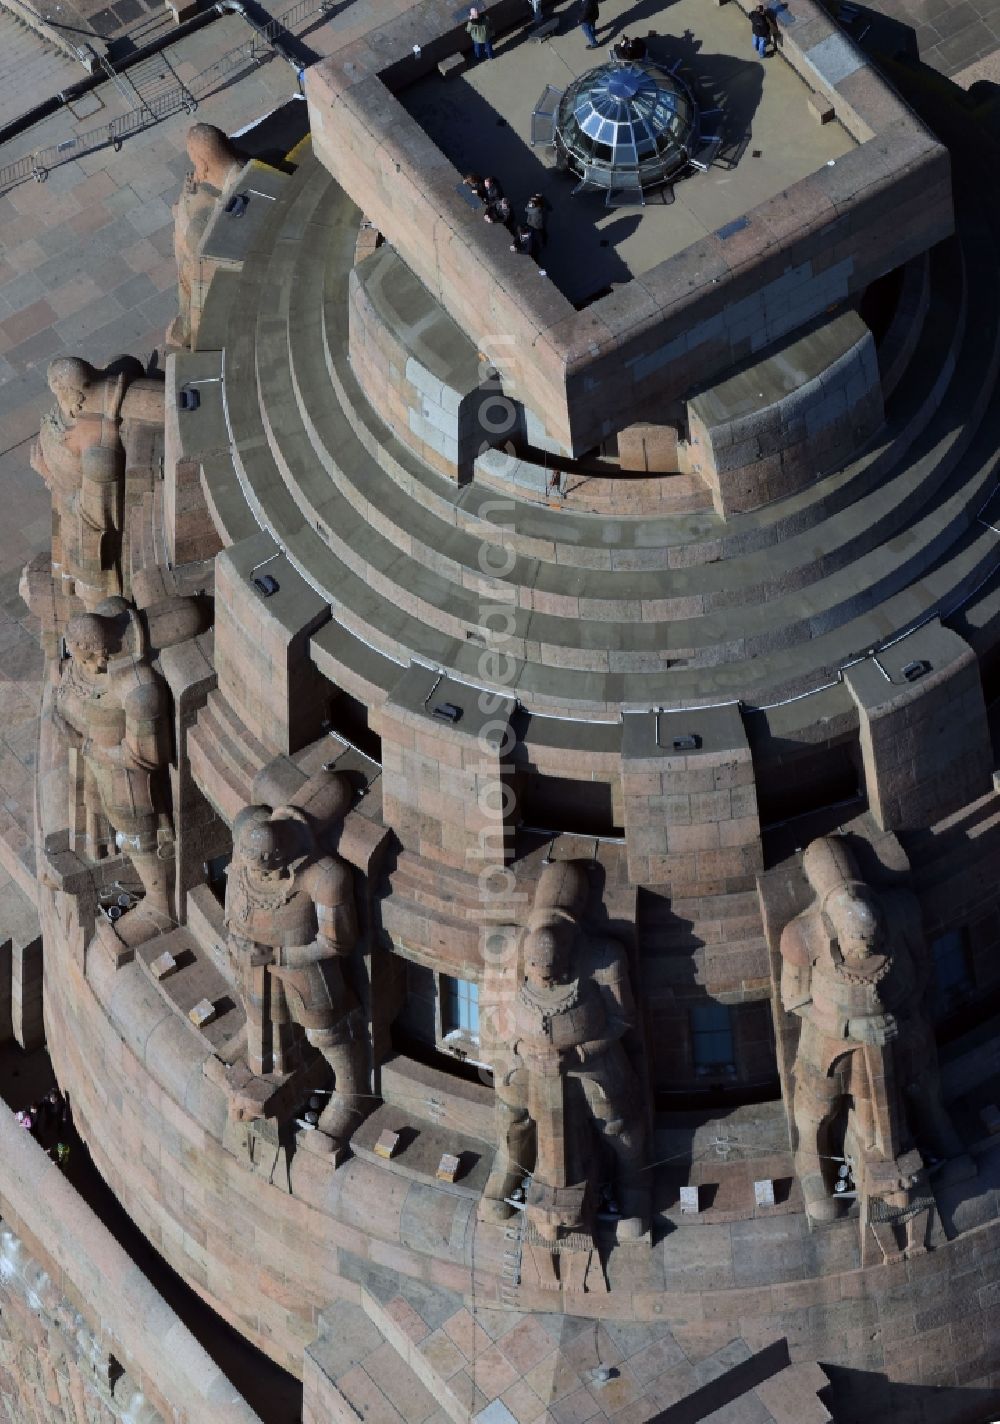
493	1208
821	1207
341	1117
633	1224
157	876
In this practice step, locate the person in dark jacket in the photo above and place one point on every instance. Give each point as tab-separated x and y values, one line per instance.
534	218
480	30
629	48
525	241
498	212
760	27
588	15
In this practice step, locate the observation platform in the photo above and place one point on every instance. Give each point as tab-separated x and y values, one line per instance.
481	120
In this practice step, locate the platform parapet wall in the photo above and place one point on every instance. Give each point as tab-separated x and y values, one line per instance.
84	1334
693	316
925	739
777	424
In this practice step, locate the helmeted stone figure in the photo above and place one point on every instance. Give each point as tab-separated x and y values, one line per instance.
855	970
112	709
569	1104
81	455
292	922
216	164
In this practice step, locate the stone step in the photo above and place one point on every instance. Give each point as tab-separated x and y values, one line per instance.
899	342
647	543
572	604
405	609
860	521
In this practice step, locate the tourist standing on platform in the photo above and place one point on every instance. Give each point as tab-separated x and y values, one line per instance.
498	212
492	192
534	218
760	27
589	13
480	30
525	241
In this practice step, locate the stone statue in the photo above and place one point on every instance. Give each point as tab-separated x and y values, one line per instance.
567	1095
216	165
855	969
81	455
292	922
111	707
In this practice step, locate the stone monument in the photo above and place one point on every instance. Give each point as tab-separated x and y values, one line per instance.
111	709
291	922
82	451
216	165
855	970
569	1104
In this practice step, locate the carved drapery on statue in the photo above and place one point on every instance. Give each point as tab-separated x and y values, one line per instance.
570	1108
854	969
215	166
292	925
95	432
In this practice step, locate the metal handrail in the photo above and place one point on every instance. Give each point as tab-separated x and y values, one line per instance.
263	43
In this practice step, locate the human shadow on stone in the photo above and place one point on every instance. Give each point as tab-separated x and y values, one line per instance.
631	20
719	81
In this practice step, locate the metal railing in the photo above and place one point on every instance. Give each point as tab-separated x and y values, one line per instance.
264	42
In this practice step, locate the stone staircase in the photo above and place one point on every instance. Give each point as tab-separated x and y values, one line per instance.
667	610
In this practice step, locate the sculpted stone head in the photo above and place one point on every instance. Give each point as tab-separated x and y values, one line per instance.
211	154
89	642
264	844
857	920
562	885
69	378
547	947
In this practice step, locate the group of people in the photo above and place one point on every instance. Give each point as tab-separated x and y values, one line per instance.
530	235
763	27
49	1118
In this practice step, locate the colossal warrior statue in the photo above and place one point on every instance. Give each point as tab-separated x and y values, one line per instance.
111	708
292	922
216	166
81	455
569	1104
855	970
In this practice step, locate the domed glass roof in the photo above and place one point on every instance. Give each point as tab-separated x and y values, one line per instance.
633	117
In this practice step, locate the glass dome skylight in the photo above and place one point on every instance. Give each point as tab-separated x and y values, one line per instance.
626	118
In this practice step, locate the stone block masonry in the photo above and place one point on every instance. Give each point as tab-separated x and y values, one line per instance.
262	644
112	1319
414	365
778	424
445	785
925	742
690	803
